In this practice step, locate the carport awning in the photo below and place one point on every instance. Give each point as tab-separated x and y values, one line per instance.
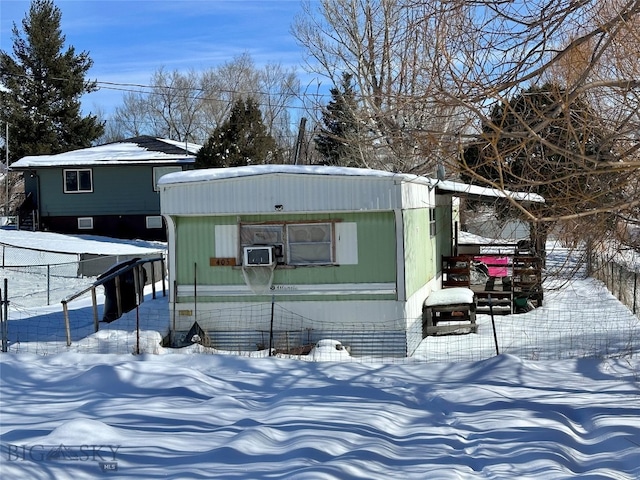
482	193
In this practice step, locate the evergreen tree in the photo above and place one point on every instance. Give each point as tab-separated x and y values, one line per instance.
43	85
545	142
565	157
241	140
337	142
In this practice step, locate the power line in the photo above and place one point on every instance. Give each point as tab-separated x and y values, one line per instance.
142	89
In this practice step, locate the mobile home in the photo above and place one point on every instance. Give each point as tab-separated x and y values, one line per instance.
333	251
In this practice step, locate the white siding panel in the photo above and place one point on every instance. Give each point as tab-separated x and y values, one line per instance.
226	241
290	193
416	195
346	243
384	314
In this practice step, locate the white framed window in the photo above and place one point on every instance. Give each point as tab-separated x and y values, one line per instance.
85	223
432	222
78	180
294	243
159	172
154	221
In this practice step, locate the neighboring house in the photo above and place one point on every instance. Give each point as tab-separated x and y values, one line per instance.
284	255
108	190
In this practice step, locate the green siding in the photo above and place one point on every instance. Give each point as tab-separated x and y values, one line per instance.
418	250
116	190
376	251
423	253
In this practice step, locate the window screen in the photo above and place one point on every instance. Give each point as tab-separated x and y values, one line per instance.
309	244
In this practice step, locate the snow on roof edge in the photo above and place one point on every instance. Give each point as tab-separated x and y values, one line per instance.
116	153
210	174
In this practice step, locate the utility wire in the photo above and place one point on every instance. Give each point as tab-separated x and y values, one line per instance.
143	89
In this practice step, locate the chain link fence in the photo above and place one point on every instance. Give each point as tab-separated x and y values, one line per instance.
621	280
41	277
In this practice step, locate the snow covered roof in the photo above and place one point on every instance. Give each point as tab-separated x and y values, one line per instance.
133	150
456	188
462	189
59	243
204	175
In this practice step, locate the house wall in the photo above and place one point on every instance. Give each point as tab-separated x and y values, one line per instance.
122	199
419	250
321	314
422	253
355	303
372	276
116	190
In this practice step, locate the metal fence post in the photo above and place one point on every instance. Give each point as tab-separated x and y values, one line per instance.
635	291
94	305
48	284
4	315
67	326
620	297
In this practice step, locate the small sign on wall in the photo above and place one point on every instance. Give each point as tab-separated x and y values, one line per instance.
222	262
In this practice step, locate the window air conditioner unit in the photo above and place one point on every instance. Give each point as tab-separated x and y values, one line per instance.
257	256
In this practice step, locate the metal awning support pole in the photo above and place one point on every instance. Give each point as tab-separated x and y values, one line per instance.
153	280
164	290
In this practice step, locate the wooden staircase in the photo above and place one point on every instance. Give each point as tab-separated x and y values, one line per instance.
27	214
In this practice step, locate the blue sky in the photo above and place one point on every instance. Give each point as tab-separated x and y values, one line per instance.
129	40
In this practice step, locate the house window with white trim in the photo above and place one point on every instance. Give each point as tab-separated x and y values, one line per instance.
154	221
85	223
78	180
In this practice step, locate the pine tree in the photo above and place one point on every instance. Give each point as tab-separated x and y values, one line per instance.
241	140
43	85
338	139
541	142
566	158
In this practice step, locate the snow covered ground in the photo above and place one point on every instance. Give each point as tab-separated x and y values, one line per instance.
528	413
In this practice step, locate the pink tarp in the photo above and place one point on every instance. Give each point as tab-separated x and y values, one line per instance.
494	263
